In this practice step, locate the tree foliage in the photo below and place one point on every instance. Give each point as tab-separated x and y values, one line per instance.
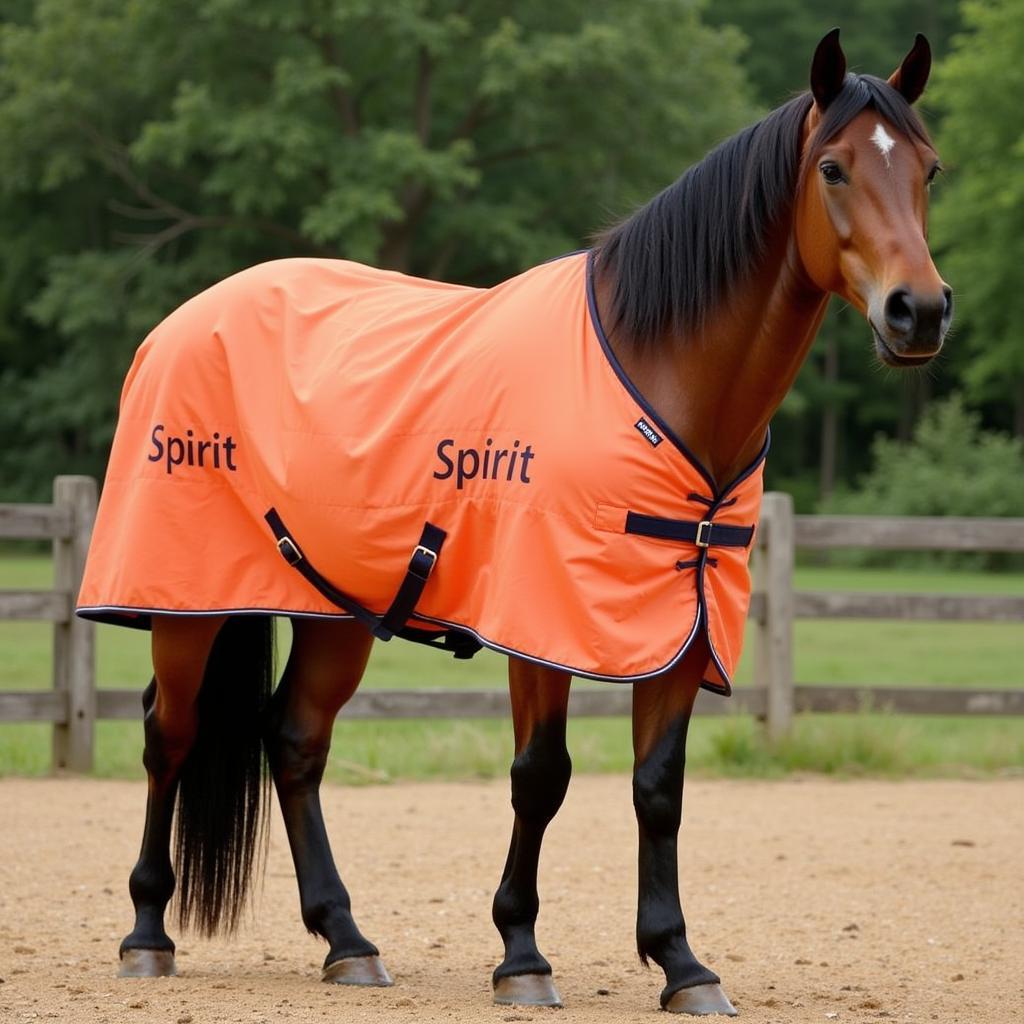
979	224
951	466
154	146
875	35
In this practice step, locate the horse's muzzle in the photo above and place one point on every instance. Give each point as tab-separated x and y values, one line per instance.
910	326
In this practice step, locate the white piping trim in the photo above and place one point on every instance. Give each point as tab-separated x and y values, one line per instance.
86	610
568	668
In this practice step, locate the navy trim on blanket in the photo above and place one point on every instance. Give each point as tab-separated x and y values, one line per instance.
562	256
461	641
704	560
649	410
580	673
141	616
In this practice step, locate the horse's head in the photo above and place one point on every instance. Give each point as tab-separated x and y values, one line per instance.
861	212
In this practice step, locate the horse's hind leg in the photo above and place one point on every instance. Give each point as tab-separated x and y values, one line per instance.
181	647
324	668
661	715
540	778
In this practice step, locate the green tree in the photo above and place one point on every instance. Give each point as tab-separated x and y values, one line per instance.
875	33
951	466
979	222
155	146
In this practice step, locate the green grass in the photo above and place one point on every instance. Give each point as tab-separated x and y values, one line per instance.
838	652
875	744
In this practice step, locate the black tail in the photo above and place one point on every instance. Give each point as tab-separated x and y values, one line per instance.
222	796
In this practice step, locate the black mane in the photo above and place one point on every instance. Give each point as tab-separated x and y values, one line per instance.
676	258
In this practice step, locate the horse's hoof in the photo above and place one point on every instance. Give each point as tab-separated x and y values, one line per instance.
357	970
526	990
147	963
701	1001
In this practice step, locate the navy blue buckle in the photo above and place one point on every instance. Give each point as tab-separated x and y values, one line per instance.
703	538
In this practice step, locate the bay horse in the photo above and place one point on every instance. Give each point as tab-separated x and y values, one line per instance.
710	297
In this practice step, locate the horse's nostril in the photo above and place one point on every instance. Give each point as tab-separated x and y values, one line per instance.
899	311
947	313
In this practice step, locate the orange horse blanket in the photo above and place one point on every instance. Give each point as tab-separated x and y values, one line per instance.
361	404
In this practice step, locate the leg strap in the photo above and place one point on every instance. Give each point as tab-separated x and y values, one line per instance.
421	565
384	627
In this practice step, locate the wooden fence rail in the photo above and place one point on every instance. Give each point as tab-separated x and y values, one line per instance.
71	705
780	533
74	703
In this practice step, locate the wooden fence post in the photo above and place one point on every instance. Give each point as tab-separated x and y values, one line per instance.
74	639
774	652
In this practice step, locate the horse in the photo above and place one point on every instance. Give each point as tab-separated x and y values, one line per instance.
707	299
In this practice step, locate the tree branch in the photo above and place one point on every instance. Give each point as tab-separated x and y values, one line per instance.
422	106
515	153
397	236
346	106
472	119
287	234
442	258
115	156
152	243
135	212
117	160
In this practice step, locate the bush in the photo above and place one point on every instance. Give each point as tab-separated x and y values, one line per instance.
951	467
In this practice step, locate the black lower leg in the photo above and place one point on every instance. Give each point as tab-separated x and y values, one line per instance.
298	754
540	778
151	882
660	929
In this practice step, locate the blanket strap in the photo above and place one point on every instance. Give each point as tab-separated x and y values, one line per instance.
704	534
421	565
384	627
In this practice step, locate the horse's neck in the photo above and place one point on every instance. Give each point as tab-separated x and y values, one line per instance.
719	392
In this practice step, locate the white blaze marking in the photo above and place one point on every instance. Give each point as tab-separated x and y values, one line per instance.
884	141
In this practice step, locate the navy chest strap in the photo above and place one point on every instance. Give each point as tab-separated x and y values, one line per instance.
704	533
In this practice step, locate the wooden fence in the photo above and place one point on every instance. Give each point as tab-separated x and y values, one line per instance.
74	704
71	704
776	604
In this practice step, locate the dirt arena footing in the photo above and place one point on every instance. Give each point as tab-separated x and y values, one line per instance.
849	901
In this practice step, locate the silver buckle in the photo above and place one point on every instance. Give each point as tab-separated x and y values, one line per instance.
294	548
432	555
703	538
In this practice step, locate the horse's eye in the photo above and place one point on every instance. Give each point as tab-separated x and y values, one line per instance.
832	173
934	173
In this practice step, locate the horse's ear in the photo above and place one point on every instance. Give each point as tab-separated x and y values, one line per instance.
828	70
910	78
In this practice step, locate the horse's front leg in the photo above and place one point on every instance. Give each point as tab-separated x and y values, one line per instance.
540	778
661	715
326	663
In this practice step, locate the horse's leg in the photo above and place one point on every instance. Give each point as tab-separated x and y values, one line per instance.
324	668
540	778
180	650
661	715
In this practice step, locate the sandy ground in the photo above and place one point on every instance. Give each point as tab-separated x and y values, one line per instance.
815	901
